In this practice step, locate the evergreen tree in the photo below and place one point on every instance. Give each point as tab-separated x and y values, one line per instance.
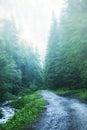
74	39
66	59
51	56
30	67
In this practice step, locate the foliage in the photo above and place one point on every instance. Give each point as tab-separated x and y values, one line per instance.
30	107
76	93
51	56
81	93
30	67
62	91
19	65
66	58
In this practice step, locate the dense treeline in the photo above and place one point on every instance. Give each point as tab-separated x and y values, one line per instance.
19	65
66	58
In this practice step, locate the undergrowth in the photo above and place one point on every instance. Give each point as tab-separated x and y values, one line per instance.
77	93
30	107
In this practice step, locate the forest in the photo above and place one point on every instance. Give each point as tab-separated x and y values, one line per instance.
64	70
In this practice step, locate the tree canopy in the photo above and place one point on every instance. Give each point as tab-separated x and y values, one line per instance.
66	58
19	65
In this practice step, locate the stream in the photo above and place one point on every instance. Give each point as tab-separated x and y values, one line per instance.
7	112
61	114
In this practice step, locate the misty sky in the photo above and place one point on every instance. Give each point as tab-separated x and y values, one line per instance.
33	18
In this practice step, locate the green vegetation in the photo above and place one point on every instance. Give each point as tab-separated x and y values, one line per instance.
62	91
81	93
76	93
30	107
20	66
65	61
65	65
66	57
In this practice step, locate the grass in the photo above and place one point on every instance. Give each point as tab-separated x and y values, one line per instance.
76	93
30	107
81	93
62	91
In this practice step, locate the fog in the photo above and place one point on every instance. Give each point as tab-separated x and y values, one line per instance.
33	18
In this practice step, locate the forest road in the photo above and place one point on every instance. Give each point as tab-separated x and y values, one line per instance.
61	114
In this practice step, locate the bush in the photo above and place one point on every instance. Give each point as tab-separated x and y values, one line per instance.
31	106
25	91
33	87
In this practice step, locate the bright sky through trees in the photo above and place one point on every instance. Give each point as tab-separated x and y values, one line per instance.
33	18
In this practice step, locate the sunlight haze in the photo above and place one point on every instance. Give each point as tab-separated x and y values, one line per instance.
33	18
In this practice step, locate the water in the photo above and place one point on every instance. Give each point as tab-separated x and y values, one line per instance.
7	112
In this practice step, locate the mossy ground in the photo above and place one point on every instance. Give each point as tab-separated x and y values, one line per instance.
30	107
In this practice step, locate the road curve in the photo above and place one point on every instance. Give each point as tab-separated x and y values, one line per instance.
61	114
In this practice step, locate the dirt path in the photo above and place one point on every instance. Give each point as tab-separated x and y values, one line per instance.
61	114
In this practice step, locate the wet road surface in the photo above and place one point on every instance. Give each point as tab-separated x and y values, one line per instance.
61	114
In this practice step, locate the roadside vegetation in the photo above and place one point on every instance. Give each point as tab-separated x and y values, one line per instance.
66	57
65	64
75	93
29	108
